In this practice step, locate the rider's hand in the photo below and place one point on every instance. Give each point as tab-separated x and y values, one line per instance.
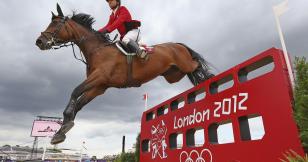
104	34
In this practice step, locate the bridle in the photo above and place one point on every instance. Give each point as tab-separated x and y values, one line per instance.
57	43
53	39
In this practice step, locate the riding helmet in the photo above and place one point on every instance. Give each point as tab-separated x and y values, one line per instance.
117	1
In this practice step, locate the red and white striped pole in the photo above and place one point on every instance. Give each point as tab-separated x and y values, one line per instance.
145	98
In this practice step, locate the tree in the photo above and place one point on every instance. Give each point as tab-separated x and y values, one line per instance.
137	145
125	157
130	156
301	98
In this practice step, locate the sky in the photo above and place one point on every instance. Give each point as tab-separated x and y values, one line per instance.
35	82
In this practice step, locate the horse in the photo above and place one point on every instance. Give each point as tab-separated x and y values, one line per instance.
107	66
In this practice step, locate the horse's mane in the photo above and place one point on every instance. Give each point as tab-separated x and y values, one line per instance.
84	20
87	21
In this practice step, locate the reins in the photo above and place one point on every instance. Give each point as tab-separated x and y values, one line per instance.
82	59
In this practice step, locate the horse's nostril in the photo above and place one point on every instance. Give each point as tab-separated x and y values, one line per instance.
39	42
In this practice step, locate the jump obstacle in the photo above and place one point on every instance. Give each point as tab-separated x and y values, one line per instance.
231	100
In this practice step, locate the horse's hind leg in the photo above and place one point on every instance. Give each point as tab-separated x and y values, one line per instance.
186	65
173	74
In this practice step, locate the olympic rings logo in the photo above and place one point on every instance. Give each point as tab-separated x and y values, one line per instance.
199	158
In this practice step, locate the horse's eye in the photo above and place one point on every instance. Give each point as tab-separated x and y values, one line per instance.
53	23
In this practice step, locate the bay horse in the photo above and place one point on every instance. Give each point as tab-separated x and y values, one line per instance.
107	66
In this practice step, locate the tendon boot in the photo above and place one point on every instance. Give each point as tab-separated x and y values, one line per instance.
133	46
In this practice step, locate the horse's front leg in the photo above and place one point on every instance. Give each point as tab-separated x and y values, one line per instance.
87	97
81	95
69	113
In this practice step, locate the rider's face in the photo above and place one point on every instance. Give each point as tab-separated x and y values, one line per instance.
112	4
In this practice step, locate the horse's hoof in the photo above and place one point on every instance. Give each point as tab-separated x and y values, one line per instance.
66	127
57	138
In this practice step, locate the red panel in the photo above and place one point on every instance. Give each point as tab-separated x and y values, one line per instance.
268	96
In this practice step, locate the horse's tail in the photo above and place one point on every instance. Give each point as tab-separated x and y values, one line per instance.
202	72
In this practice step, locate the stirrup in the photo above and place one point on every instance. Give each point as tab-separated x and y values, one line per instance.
143	54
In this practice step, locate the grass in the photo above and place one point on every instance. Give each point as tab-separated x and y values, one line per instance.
292	156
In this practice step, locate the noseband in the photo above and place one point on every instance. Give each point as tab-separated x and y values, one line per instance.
53	39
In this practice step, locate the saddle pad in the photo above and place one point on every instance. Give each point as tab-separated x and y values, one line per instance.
148	49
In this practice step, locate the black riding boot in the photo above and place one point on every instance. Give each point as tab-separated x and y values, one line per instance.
132	45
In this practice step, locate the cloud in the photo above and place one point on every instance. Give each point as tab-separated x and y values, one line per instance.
35	82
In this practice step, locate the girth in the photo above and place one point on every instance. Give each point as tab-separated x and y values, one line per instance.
130	81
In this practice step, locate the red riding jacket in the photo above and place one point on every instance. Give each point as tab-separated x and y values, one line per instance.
122	21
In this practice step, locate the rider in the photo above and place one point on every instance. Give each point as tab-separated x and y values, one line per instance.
121	20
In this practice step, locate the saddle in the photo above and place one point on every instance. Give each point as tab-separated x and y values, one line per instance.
129	52
124	49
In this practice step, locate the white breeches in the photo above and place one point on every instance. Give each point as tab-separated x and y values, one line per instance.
133	35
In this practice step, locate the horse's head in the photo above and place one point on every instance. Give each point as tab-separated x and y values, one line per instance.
56	32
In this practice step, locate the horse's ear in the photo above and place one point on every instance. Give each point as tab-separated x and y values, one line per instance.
60	13
53	15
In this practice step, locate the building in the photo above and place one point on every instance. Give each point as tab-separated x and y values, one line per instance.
18	153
